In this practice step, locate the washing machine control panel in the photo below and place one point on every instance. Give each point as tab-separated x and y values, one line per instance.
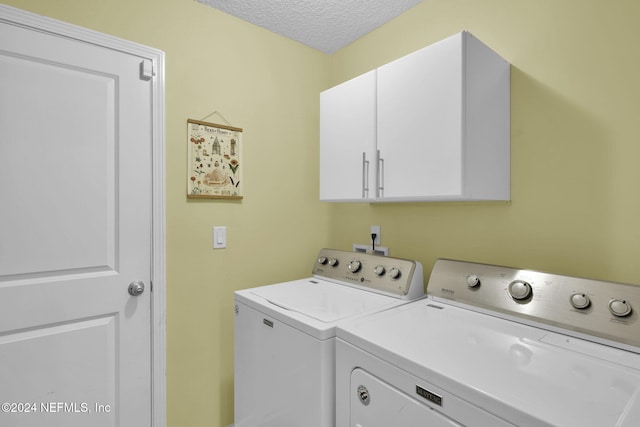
397	277
587	308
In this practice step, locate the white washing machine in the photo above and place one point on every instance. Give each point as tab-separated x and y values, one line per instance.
495	346
285	334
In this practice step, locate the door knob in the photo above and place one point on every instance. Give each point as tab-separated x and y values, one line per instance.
136	288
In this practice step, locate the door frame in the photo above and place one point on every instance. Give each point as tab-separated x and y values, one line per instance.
14	16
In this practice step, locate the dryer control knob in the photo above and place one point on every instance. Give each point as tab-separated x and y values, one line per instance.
619	308
579	300
520	290
322	260
379	270
354	266
395	273
333	262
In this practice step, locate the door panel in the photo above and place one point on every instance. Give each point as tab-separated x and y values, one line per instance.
75	230
58	168
61	359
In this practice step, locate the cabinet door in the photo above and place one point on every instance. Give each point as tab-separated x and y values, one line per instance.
347	140
420	122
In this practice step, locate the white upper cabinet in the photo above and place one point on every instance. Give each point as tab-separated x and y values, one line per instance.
430	126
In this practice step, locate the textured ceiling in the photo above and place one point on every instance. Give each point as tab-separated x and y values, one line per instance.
326	25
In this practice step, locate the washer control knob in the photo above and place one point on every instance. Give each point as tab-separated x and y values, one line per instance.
619	308
354	266
473	280
579	300
379	270
520	290
333	262
394	273
322	260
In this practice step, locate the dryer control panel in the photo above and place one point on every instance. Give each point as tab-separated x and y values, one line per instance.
397	277
591	309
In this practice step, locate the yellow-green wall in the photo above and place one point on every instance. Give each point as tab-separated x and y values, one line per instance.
575	139
575	143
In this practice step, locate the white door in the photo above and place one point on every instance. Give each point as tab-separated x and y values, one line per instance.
75	231
420	122
348	140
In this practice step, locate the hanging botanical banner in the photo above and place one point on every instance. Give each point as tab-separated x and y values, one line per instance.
215	164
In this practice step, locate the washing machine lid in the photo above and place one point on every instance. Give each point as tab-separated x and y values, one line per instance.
324	301
523	374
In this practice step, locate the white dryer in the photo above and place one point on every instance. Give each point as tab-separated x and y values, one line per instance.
285	334
494	347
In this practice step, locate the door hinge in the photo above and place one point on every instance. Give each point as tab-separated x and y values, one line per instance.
147	69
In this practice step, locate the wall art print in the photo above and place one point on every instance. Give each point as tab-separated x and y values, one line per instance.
215	161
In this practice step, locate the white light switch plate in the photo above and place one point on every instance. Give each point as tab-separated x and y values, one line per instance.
219	237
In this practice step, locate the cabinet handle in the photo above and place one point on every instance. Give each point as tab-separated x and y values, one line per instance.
365	175
380	175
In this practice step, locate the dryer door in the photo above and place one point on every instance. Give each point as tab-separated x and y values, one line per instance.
374	403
